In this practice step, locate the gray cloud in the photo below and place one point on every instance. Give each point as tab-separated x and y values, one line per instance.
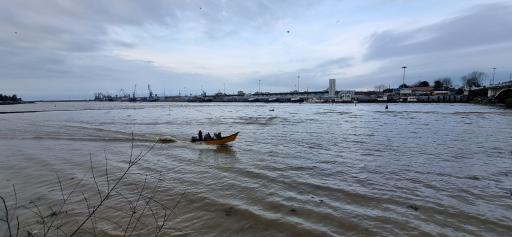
54	48
485	25
62	49
312	78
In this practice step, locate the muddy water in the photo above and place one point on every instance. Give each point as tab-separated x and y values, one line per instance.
299	170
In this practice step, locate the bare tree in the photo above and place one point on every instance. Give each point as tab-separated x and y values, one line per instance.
447	82
443	83
473	79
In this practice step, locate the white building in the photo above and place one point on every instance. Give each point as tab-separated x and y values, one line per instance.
332	87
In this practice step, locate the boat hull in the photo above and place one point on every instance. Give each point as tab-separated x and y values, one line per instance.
222	141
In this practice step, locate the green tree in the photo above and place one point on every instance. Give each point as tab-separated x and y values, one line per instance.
422	84
443	83
438	85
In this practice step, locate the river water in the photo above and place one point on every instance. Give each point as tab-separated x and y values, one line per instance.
295	169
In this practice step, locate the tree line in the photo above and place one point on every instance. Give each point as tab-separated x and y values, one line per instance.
472	79
11	98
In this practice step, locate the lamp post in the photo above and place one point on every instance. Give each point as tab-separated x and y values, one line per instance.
493	72
259	86
298	83
403	77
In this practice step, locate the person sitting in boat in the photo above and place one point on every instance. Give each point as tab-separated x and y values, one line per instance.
207	137
200	135
219	135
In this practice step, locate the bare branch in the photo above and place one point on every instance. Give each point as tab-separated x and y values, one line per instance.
106	169
6	216
112	188
16	209
94	177
41	216
127	199
89	211
164	221
64	204
17	226
131	150
61	189
134	210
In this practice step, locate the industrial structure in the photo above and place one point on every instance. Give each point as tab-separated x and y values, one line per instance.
329	95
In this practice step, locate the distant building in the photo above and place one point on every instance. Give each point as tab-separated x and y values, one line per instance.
345	96
332	87
427	90
405	91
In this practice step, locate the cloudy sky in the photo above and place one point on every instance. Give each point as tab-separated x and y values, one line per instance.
70	49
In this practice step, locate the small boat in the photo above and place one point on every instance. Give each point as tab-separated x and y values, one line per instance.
221	141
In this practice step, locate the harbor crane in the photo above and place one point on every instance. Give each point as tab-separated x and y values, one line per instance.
150	92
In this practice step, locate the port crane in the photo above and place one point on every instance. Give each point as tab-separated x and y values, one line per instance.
152	97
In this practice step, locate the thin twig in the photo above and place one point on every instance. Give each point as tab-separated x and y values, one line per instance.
106	169
64	204
134	210
154	217
61	189
16	209
89	211
155	188
131	150
41	216
164	221
94	177
137	159
6	216
17	226
127	199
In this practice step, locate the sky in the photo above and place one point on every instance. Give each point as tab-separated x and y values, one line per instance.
59	49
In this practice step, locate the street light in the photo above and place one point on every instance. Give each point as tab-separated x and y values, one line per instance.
259	86
403	78
298	83
493	72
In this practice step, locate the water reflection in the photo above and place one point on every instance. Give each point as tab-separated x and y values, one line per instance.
223	155
226	150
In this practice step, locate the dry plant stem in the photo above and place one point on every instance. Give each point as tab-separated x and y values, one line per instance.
94	177
147	202
127	199
41	216
166	216
17	226
134	210
63	205
106	169
6	216
154	217
16	209
130	165
89	211
61	189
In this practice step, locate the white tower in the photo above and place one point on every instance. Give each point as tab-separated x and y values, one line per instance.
332	87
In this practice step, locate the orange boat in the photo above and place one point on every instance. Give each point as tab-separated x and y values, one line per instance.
221	141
